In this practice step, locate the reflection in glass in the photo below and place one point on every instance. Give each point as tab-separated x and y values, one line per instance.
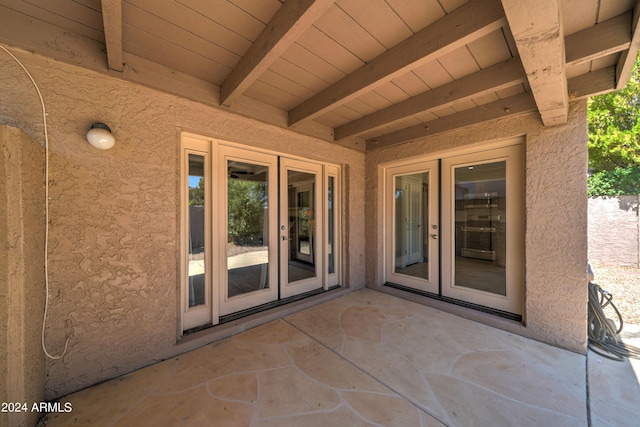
302	225
331	225
196	189
247	228
411	225
480	232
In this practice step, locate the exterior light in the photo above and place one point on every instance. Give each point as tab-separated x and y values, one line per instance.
100	136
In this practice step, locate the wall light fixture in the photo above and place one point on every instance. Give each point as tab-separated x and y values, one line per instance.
100	136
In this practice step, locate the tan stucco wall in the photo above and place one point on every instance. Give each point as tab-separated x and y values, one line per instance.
22	289
614	231
114	214
556	218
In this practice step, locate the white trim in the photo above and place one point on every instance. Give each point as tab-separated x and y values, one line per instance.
475	148
216	151
511	149
206	313
432	283
513	301
241	302
287	288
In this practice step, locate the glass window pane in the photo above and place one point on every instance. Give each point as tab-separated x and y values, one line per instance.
331	226
302	225
411	225
480	232
248	231
197	191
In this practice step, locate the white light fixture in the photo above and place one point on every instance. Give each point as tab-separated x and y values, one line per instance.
100	136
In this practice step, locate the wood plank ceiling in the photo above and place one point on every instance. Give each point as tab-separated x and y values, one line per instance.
363	73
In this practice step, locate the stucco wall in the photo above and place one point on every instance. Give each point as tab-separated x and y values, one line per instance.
614	231
114	214
556	217
22	290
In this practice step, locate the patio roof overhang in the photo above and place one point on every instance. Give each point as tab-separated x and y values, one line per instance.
364	74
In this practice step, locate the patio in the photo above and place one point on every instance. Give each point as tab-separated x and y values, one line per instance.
368	358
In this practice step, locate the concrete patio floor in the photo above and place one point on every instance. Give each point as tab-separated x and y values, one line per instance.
367	359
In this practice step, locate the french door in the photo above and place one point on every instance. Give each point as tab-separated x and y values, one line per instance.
301	227
257	228
482	213
460	238
412	216
247	217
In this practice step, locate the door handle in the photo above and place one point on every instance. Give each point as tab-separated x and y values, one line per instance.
434	236
283	237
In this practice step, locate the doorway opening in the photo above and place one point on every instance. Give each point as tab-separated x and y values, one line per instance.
455	229
259	229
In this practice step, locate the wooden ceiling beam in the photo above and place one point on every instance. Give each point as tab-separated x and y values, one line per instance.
290	21
508	107
537	31
628	57
492	79
605	38
463	25
593	83
112	23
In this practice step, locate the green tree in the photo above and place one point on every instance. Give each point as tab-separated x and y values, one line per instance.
196	194
246	200
614	140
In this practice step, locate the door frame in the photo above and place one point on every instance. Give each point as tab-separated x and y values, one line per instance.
289	289
215	241
431	284
240	302
516	276
513	301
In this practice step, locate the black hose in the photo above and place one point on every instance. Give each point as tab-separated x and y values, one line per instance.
603	333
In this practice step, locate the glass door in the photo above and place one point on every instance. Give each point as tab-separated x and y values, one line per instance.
413	226
482	221
301	227
248	214
196	264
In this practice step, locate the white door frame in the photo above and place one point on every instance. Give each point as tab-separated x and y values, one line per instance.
244	301
513	301
288	289
431	284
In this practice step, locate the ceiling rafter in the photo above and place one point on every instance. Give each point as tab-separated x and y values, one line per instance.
511	106
492	79
463	25
112	22
539	38
610	36
290	21
593	83
628	58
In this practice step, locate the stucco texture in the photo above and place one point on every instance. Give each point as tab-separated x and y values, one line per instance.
555	217
114	230
22	292
614	231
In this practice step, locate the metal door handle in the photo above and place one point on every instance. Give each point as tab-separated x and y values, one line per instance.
434	236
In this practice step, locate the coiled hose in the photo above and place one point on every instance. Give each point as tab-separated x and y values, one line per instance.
603	333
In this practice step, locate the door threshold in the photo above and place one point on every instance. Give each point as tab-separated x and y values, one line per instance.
264	307
477	307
